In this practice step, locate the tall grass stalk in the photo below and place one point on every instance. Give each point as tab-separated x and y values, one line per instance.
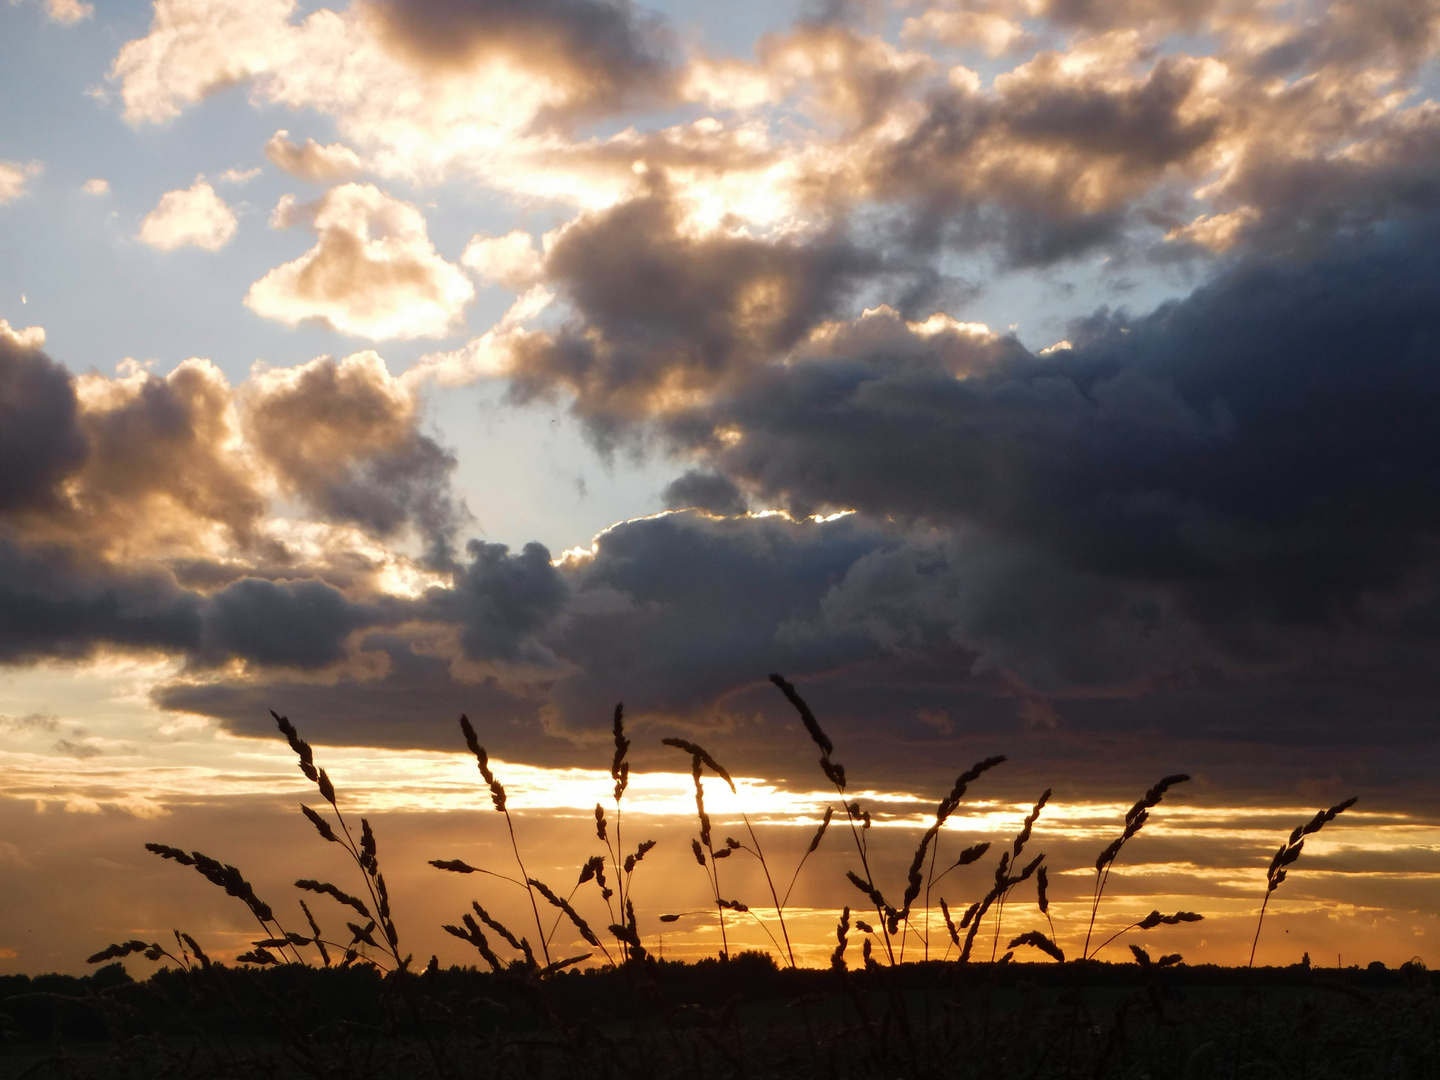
1287	854
285	944
930	840
700	758
498	799
1135	819
1149	922
1017	846
858	818
758	852
365	854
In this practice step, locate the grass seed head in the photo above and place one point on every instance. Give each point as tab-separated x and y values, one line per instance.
1037	940
842	936
619	767
820	832
482	759
299	745
321	825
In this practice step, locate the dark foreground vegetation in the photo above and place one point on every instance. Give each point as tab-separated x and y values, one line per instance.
561	999
741	1017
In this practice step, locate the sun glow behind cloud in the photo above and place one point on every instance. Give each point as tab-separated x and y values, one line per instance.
149	779
410	789
1369	872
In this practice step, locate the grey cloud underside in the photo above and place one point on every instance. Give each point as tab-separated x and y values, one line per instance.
956	198
390	491
1266	445
704	491
502	602
416	704
613	53
656	310
52	603
40	438
299	624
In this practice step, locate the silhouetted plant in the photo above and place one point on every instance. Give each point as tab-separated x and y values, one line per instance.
286	944
704	845
1149	922
875	1040
857	817
1004	883
470	931
1288	852
1135	819
931	839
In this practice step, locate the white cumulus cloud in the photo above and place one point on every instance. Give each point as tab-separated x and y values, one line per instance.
196	47
32	337
68	11
191	217
509	260
13	175
373	272
312	161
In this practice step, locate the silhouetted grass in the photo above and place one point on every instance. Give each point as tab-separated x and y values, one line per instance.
324	1006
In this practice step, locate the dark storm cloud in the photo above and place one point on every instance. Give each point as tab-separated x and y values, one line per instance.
671	615
1261	454
660	314
41	442
53	604
502	601
301	624
676	611
1051	163
416	704
345	438
704	491
607	52
922	648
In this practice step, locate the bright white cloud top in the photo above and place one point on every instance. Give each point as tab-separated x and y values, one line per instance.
372	273
13	177
190	217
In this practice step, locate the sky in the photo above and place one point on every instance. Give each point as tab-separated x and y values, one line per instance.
1046	378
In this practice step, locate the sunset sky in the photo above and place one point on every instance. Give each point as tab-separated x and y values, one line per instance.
1050	378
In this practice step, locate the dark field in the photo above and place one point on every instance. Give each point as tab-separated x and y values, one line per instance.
737	1018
